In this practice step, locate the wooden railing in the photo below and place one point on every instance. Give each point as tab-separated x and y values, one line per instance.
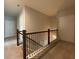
23	33
25	37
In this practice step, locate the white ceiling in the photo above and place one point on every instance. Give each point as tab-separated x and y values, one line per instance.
48	7
10	7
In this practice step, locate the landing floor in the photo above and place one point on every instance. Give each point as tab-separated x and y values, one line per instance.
63	50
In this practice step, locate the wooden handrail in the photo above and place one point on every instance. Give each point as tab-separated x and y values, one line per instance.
41	32
37	32
19	30
24	38
20	33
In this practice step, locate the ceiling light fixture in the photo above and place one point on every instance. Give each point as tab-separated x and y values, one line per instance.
18	5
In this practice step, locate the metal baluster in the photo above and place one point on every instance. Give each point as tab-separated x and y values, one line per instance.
29	43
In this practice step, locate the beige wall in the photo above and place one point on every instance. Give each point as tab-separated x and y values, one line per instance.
53	25
53	22
36	21
67	25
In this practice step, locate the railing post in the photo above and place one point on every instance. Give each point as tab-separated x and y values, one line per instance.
48	36
24	44
57	34
17	38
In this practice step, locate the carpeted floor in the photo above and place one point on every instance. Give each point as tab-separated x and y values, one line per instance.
12	52
63	50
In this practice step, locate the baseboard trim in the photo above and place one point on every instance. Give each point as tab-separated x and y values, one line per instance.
13	36
68	41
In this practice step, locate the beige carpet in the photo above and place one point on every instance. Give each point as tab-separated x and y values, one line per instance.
63	50
12	52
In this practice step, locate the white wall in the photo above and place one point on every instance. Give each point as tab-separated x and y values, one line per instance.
9	26
21	20
67	25
36	21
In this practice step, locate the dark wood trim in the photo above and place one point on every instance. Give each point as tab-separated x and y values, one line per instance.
40	32
36	32
17	38
20	33
24	44
19	30
48	36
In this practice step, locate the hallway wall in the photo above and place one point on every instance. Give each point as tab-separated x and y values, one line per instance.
36	21
9	26
21	20
53	22
67	25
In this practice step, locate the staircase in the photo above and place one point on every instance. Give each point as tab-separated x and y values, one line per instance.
32	44
45	50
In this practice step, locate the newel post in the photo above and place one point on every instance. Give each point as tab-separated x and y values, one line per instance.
24	44
57	34
48	36
17	37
